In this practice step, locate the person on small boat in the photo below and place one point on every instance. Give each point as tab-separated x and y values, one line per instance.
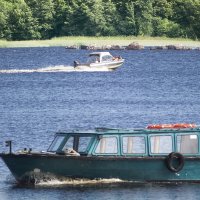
76	63
97	60
117	58
71	152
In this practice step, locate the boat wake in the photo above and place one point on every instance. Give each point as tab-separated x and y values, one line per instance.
58	68
40	179
78	182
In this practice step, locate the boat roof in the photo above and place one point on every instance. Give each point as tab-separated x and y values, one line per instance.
99	54
119	131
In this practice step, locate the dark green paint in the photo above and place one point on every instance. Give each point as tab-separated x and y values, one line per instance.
145	167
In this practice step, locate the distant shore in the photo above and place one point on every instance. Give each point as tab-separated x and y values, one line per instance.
117	42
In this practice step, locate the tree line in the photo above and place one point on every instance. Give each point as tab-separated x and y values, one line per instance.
44	19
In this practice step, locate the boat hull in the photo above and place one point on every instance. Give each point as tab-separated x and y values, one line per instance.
139	169
104	65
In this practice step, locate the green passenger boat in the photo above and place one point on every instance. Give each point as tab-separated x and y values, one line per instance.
154	154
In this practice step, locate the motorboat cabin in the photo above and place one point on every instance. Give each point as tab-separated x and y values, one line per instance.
100	60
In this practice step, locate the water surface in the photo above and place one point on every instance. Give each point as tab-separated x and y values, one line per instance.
151	87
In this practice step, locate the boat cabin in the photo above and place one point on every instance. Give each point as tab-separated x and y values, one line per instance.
100	60
100	57
120	142
157	153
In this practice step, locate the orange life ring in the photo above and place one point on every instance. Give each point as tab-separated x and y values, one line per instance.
171	126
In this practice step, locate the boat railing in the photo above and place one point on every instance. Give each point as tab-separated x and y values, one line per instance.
105	129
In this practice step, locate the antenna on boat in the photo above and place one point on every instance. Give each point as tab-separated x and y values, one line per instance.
9	144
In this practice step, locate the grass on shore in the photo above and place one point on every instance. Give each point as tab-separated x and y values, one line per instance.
100	41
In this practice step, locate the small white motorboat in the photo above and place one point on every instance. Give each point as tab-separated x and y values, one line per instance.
100	60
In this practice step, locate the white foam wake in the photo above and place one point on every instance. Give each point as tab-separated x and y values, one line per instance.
59	68
39	178
78	182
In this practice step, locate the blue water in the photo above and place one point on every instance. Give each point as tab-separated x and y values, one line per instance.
151	87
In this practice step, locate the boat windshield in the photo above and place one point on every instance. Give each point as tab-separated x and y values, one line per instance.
78	143
93	59
56	143
107	58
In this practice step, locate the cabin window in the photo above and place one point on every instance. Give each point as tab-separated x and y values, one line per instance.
133	145
107	145
56	143
69	144
93	59
161	144
106	58
83	143
187	144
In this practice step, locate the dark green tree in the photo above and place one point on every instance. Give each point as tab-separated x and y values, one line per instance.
21	23
162	9
78	18
96	24
43	12
126	17
5	8
111	17
143	17
43	19
187	14
60	15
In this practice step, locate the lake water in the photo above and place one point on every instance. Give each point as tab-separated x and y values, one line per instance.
39	96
